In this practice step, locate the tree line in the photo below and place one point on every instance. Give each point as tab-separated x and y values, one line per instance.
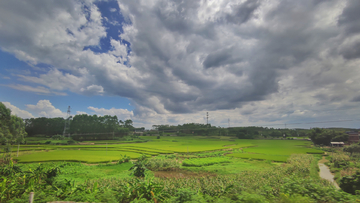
321	136
89	127
317	135
251	132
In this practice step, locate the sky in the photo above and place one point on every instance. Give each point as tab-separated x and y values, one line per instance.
272	63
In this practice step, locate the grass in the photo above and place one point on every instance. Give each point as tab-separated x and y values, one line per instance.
76	155
279	158
282	147
205	161
275	150
81	173
234	167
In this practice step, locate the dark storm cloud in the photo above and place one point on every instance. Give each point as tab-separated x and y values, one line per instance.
287	38
356	99
190	55
352	51
243	12
221	57
350	24
349	19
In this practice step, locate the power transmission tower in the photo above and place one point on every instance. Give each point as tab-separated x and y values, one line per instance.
67	123
229	122
207	118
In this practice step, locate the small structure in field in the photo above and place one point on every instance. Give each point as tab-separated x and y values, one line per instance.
337	144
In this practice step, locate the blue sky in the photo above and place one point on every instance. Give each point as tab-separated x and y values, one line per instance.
170	62
12	66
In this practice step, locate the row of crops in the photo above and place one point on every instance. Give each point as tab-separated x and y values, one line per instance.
275	150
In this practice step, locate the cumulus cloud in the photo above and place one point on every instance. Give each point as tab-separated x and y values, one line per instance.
264	60
18	112
122	114
92	90
44	108
80	112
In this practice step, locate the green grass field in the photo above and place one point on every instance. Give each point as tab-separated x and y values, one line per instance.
198	162
275	150
76	155
279	158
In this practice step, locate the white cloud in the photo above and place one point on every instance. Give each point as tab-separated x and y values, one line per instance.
18	112
122	114
57	80
92	90
251	61
38	90
44	108
80	112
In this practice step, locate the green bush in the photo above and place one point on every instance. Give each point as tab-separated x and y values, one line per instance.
183	195
124	159
71	142
58	137
138	169
340	160
350	184
160	164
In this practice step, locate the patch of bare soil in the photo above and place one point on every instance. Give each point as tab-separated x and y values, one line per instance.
181	174
323	160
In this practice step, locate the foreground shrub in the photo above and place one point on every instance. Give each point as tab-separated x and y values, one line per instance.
288	183
340	160
351	184
138	169
124	159
162	164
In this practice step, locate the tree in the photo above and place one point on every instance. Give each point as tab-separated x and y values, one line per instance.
352	148
128	124
320	136
340	137
5	118
12	128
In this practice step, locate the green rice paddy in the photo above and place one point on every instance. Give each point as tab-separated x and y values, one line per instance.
198	162
274	150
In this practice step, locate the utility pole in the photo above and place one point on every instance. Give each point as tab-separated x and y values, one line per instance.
67	123
207	118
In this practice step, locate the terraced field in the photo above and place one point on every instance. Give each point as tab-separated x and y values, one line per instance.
275	150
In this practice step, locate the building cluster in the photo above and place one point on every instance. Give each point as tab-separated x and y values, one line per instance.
353	138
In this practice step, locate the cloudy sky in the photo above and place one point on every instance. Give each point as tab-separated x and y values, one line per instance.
255	62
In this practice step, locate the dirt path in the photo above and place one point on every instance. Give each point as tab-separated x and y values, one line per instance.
325	172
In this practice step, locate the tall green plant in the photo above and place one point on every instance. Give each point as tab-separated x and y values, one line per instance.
138	169
12	131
